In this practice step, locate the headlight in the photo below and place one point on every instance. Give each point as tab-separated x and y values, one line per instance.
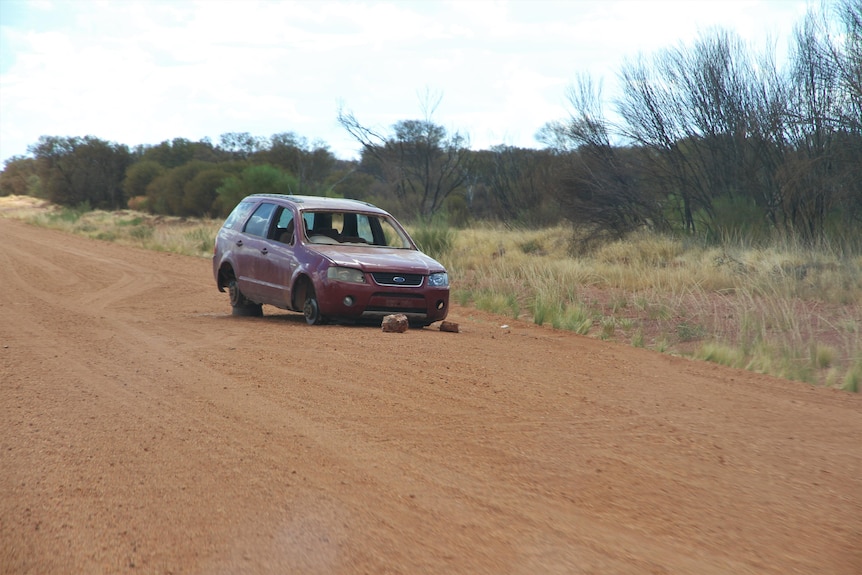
346	275
440	279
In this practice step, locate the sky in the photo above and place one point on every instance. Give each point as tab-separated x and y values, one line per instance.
145	71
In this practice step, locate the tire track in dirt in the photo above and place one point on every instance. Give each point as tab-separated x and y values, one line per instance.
101	375
144	429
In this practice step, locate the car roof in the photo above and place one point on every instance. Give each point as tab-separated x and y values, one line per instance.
322	203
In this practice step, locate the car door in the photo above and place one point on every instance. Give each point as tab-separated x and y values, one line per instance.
252	250
277	261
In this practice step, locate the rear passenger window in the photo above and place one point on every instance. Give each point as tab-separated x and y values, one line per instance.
258	223
237	216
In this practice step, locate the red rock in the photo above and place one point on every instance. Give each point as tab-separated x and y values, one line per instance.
395	323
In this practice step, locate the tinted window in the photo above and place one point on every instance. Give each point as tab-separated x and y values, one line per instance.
237	216
285	216
258	223
283	229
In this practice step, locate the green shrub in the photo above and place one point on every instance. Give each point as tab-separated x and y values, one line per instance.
687	332
434	237
497	303
574	318
141	232
853	379
544	309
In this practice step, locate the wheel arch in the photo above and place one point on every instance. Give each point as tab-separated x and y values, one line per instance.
225	274
299	290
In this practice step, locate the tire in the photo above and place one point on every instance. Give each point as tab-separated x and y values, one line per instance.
311	309
241	305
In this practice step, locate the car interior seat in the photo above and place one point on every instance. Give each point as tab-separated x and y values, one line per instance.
287	236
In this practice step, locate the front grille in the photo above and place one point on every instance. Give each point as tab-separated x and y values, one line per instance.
397	280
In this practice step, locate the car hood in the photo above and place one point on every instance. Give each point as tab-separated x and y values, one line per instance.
372	259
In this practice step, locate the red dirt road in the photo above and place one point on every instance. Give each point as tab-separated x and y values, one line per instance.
143	429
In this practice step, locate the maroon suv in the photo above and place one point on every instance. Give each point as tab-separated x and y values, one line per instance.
329	258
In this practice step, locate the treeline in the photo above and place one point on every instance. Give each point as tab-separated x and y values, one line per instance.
719	141
418	173
712	139
177	177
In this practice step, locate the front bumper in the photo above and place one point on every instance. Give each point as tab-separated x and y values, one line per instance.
370	302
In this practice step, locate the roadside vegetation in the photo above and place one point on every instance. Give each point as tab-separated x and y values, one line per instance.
783	309
780	308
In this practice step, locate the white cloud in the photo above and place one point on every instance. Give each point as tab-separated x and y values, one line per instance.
139	72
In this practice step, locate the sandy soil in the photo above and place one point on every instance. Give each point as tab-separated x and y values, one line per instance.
143	429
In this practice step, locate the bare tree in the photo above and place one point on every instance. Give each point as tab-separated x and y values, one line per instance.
419	160
850	69
810	176
598	190
650	107
512	184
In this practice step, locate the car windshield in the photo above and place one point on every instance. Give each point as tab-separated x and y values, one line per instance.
353	228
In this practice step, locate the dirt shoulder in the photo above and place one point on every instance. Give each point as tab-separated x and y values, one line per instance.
143	429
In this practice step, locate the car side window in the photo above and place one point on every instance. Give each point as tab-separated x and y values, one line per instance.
283	230
258	223
363	229
238	215
386	234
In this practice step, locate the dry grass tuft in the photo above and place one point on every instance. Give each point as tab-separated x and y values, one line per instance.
188	236
785	310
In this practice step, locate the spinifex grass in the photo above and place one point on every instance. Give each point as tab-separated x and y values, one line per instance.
188	236
783	309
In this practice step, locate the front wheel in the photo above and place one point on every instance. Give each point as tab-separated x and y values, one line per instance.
311	309
240	304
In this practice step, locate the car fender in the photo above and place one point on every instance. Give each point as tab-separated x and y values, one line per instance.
314	274
227	260
218	270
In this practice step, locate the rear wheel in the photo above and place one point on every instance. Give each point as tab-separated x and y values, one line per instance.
241	304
